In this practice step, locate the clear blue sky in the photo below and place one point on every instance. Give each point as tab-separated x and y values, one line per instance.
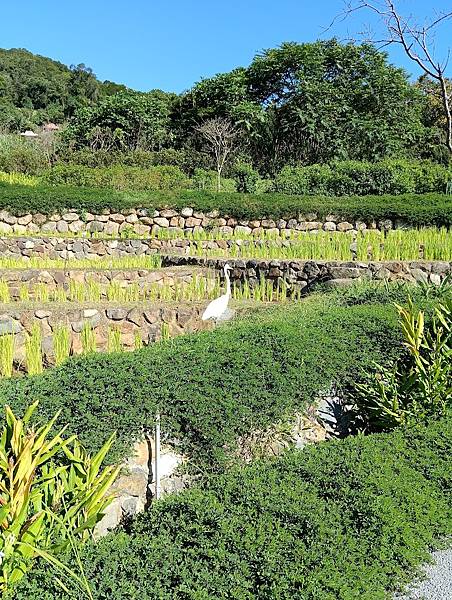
170	44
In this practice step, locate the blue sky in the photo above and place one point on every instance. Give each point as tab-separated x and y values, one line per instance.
150	44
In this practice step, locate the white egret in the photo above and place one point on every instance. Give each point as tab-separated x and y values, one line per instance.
218	307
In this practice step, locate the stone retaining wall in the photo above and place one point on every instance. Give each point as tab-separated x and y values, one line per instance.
61	278
304	273
146	321
143	222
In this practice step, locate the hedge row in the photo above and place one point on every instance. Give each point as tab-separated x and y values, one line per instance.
335	521
213	387
391	176
415	210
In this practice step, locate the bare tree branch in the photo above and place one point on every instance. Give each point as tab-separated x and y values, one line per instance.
416	41
221	135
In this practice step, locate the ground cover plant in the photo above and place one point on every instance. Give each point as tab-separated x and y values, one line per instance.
414	209
334	521
230	381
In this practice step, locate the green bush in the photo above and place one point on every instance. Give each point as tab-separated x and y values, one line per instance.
335	521
18	155
414	210
354	178
213	387
118	177
186	159
206	179
246	178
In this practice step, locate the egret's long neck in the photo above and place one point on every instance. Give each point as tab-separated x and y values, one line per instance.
228	283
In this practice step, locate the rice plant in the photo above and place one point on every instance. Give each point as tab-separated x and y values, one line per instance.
165	331
93	291
24	294
5	296
88	338
41	292
114	340
33	351
137	341
122	263
61	344
76	291
6	354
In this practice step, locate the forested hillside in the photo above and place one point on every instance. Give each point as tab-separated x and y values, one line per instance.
35	89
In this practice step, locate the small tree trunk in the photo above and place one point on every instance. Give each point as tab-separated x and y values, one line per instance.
218	180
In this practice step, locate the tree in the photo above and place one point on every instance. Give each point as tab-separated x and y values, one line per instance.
220	134
124	121
416	39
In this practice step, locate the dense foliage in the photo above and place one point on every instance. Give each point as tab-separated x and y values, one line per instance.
354	178
213	387
118	177
334	521
35	89
412	209
339	179
309	103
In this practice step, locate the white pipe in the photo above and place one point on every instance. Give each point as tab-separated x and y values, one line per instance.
157	457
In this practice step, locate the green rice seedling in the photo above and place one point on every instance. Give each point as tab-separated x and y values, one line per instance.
59	294
151	261
115	292
61	343
41	292
5	296
114	340
137	341
24	293
6	355
93	291
76	291
165	332
33	351
132	293
88	339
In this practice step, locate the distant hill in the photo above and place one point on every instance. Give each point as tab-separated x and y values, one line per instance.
35	89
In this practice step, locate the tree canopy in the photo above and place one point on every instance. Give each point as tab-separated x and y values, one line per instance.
295	104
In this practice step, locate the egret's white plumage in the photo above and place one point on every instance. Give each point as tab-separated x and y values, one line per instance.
219	306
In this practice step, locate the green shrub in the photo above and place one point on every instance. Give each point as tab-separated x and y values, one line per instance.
18	155
186	159
118	177
355	178
246	178
213	387
335	521
205	179
414	210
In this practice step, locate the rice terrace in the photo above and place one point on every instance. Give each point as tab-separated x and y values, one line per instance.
226	310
